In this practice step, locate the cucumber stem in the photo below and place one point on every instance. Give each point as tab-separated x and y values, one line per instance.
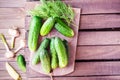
51	77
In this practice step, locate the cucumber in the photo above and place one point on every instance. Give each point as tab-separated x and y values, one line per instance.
44	44
61	52
54	58
47	26
33	35
66	46
36	59
45	61
63	28
21	62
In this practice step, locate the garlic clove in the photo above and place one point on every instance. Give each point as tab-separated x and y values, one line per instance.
14	32
9	54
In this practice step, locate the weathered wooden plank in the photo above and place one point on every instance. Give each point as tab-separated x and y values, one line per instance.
100	21
80	78
8	38
12	17
99	38
12	3
91	7
98	52
89	69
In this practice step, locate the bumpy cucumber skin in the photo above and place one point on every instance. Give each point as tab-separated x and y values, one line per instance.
21	62
34	30
61	52
54	57
44	44
45	61
66	46
63	28
36	59
47	26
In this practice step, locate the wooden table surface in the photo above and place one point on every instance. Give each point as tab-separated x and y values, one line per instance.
98	49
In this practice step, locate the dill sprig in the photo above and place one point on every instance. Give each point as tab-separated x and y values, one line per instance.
53	8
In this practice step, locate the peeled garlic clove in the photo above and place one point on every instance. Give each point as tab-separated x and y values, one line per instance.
9	54
14	32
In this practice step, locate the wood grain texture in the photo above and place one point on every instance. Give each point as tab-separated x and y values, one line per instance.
100	21
99	38
94	6
12	3
80	78
88	69
87	49
98	52
12	17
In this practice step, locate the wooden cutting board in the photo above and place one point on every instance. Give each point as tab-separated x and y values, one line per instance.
72	42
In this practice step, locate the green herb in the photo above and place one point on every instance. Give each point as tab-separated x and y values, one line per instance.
53	8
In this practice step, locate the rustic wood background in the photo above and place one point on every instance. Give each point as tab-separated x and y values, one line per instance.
98	49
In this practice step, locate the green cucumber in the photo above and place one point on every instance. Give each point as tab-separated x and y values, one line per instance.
54	57
33	35
66	46
63	28
45	61
47	26
44	44
61	52
21	62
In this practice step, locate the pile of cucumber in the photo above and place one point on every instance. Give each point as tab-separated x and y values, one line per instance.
52	53
37	27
